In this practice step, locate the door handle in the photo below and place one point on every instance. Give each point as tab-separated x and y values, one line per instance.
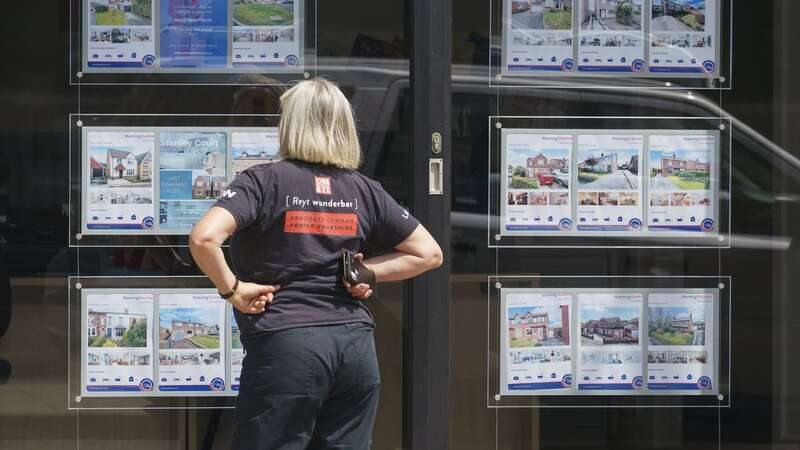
436	176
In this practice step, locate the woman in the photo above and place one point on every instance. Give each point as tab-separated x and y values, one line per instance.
310	375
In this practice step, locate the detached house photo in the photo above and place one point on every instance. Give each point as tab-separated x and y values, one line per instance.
548	169
676	326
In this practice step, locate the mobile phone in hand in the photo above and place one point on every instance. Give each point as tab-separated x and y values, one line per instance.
354	272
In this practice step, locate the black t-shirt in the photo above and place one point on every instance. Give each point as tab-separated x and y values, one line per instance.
292	221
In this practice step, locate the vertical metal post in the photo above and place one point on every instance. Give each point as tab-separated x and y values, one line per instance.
427	305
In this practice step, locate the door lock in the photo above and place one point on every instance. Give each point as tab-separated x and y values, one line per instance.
436	143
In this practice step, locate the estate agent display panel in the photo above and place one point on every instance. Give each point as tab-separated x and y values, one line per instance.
158	342
655	38
609	182
162	180
206	36
609	342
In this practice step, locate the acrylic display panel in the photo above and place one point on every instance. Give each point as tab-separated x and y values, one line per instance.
586	186
143	342
140	185
609	43
205	42
608	341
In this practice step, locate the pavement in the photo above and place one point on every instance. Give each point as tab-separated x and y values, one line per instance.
699	337
133	19
668	23
660	183
621	179
532	19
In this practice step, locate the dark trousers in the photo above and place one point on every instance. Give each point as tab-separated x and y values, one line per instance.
308	388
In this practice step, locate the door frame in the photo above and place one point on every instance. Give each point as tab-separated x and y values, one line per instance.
426	344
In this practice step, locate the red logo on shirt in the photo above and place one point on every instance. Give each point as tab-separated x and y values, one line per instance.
323	185
313	222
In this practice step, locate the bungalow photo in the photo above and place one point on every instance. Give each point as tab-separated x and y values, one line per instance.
680	170
541	14
677	325
603	15
545	169
538	326
116	328
608	169
609	325
189	328
678	15
259	13
121	12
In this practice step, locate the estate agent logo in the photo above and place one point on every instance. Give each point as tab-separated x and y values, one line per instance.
323	185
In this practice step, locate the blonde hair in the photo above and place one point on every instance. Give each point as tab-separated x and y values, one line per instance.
317	125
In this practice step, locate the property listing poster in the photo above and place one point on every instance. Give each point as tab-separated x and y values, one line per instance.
191	342
194	34
237	356
251	148
680	353
538	182
682	36
609	182
119	188
538	35
681	180
610	350
120	34
266	33
119	344
611	37
192	168
537	346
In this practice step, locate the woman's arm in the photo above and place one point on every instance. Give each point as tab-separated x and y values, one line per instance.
417	254
205	243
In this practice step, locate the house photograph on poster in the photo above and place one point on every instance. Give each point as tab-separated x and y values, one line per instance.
546	169
680	170
107	328
611	169
679	15
610	15
610	325
538	326
263	12
120	12
679	325
188	328
541	14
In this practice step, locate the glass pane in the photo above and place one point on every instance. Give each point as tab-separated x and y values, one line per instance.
364	53
759	259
